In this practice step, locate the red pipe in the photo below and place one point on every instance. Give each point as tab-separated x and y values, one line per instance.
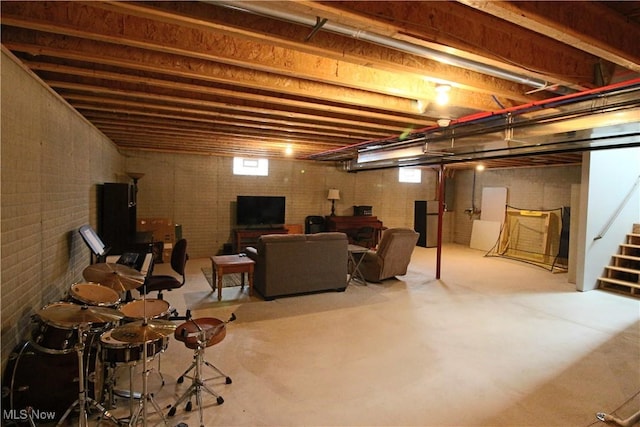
440	219
487	114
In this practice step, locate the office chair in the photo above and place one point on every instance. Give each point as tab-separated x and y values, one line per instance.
167	282
314	224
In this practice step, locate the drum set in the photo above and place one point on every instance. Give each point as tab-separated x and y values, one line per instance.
78	344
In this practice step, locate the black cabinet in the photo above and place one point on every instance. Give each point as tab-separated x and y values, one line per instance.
117	217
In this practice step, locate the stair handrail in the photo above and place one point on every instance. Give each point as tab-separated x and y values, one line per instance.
617	212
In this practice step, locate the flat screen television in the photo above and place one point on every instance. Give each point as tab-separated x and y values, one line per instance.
260	211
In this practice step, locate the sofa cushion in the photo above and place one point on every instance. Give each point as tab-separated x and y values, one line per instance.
325	236
281	238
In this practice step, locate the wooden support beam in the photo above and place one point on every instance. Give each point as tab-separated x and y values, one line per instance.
573	24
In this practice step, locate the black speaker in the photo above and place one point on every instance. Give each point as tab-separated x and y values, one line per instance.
117	217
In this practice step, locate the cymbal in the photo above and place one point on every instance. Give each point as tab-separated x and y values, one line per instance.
115	276
139	332
69	314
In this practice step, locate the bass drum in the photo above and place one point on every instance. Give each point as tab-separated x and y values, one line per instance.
47	383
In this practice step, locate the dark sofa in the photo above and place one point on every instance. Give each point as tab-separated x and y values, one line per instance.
293	264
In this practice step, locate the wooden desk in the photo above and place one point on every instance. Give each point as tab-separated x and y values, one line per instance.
249	236
351	224
226	264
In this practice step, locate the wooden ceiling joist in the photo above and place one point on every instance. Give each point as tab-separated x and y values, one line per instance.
201	77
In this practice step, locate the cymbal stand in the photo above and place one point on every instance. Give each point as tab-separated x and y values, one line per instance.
145	397
84	402
30	416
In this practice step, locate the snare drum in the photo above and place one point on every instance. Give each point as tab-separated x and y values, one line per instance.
151	308
115	351
93	294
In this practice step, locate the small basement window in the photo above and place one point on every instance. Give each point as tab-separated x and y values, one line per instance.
247	166
412	175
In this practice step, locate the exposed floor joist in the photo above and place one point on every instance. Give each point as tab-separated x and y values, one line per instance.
204	77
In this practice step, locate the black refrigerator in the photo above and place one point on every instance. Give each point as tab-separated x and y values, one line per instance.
425	222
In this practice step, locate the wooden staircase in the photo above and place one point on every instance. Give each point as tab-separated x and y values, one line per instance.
623	275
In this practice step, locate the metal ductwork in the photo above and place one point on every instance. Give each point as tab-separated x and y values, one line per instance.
266	9
602	120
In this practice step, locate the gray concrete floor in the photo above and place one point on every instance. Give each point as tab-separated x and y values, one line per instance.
495	342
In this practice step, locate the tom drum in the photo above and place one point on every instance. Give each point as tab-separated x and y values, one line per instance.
60	338
149	308
93	294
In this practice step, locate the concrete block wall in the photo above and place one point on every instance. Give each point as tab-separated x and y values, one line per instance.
51	160
527	188
199	192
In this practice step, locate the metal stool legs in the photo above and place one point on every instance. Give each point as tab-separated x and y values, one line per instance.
198	384
199	334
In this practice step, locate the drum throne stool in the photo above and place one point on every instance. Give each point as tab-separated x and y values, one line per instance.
198	334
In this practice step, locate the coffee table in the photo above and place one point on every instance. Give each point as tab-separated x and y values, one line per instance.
227	264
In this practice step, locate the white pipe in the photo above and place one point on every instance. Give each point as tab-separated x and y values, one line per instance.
386	41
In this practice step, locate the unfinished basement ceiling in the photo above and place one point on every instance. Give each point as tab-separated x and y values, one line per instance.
253	78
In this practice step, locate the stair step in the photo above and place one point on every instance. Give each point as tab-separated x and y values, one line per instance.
627	257
629	268
620	286
623	269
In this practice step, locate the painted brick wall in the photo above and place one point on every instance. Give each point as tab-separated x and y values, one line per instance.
51	160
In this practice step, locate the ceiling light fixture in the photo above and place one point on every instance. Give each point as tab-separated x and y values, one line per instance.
442	94
421	105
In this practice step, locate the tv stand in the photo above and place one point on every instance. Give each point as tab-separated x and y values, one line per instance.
243	237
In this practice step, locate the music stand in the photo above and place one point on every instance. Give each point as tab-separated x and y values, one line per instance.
94	242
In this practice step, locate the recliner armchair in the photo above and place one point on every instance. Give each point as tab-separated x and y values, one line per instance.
167	282
392	257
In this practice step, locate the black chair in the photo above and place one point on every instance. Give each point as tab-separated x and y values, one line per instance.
365	236
161	282
314	224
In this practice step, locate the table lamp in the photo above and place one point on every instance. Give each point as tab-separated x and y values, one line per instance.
333	196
